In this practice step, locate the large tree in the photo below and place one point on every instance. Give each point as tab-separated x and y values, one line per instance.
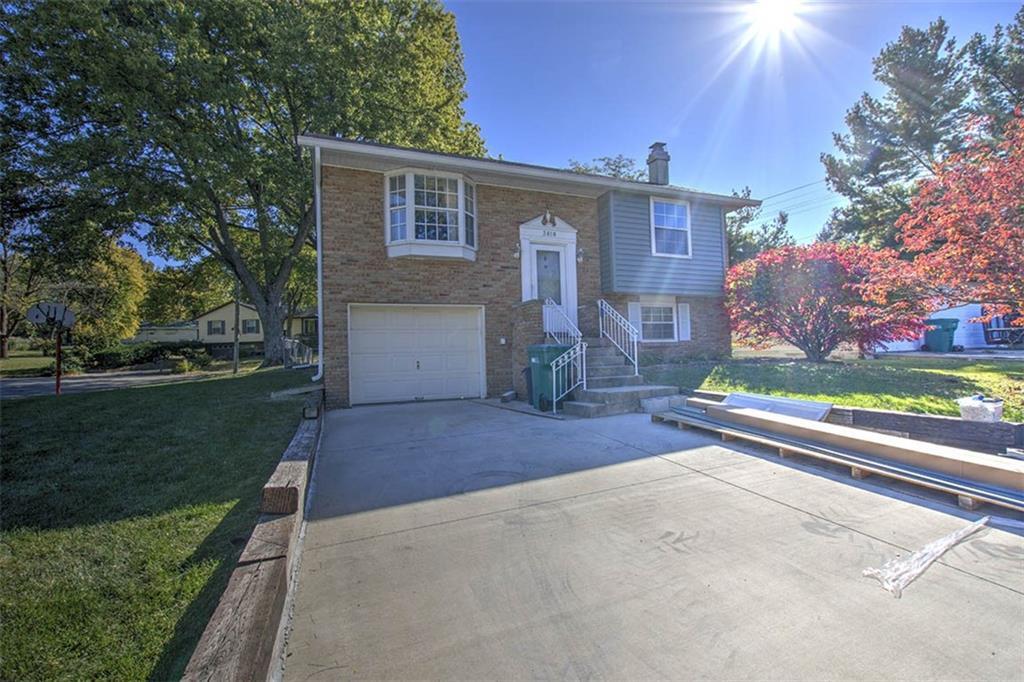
899	137
819	296
997	73
186	114
965	228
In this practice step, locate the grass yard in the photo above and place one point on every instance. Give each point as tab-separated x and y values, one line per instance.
24	363
123	514
905	384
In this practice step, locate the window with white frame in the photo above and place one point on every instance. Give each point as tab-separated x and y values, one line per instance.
670	228
250	326
658	322
432	210
215	327
660	319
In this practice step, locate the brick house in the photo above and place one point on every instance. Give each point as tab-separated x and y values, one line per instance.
438	270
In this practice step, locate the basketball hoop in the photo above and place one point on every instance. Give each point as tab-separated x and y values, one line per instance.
52	317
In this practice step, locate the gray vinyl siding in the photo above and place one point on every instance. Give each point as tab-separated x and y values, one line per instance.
635	270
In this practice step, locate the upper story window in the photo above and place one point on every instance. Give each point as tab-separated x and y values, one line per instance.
430	214
215	327
670	228
250	326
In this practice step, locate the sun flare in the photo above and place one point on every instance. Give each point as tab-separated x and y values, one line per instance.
770	18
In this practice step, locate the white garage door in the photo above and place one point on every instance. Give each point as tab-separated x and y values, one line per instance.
414	353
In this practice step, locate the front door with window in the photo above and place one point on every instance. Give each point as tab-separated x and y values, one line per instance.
548	253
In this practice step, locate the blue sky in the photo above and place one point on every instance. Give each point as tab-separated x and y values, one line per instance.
552	81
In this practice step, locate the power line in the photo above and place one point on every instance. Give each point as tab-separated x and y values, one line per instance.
793	189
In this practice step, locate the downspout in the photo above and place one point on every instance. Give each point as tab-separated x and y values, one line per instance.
319	269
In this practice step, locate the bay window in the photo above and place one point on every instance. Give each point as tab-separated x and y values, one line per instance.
430	214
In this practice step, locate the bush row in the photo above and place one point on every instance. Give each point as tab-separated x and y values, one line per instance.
79	358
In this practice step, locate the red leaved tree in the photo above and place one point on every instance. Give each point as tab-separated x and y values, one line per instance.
965	227
818	296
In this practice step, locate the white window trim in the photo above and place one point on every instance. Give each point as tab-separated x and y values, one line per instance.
410	246
682	329
689	228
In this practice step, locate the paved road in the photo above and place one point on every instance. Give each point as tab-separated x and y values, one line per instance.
457	541
24	387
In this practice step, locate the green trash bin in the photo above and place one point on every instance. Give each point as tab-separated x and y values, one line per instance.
541	378
939	337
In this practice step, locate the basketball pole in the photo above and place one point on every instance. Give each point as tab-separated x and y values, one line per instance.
57	359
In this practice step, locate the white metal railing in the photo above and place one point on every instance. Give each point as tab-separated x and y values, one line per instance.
568	371
619	331
558	326
297	354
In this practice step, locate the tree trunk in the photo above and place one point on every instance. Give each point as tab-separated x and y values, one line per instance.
272	319
3	346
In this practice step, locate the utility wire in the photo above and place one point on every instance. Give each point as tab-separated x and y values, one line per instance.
792	189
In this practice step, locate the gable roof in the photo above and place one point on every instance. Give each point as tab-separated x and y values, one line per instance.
382	158
223	305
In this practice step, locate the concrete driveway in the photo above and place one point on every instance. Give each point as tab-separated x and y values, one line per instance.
456	540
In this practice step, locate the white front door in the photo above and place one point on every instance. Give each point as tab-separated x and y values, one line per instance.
548	253
399	352
548	272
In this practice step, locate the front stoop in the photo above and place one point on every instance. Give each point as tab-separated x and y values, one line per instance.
612	386
601	402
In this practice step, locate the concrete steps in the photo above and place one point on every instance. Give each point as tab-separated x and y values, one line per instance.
612	381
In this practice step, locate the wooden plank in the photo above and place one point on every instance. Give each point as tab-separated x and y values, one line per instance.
973	466
975	495
271	538
859	474
966	502
238	642
285	488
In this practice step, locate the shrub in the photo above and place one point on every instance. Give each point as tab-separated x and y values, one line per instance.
818	296
74	360
180	366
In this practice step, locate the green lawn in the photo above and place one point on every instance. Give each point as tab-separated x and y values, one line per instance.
905	384
24	363
123	513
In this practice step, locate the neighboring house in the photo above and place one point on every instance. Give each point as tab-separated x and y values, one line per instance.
433	266
216	329
302	325
173	332
968	334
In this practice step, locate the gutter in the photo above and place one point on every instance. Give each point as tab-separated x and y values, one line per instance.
319	268
512	169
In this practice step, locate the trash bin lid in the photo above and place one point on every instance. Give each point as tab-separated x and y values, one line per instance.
948	323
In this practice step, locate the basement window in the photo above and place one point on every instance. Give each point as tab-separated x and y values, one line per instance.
430	214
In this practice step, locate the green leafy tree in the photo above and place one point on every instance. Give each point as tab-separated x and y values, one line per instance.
997	73
186	291
899	137
105	294
749	234
620	166
185	115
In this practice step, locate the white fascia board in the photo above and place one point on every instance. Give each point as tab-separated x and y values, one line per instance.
412	157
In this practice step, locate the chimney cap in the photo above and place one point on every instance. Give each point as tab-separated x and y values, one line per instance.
658	151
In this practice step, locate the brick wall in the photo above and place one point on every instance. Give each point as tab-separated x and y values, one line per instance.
709	330
358	270
527	329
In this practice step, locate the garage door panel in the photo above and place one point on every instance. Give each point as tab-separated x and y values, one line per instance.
414	353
